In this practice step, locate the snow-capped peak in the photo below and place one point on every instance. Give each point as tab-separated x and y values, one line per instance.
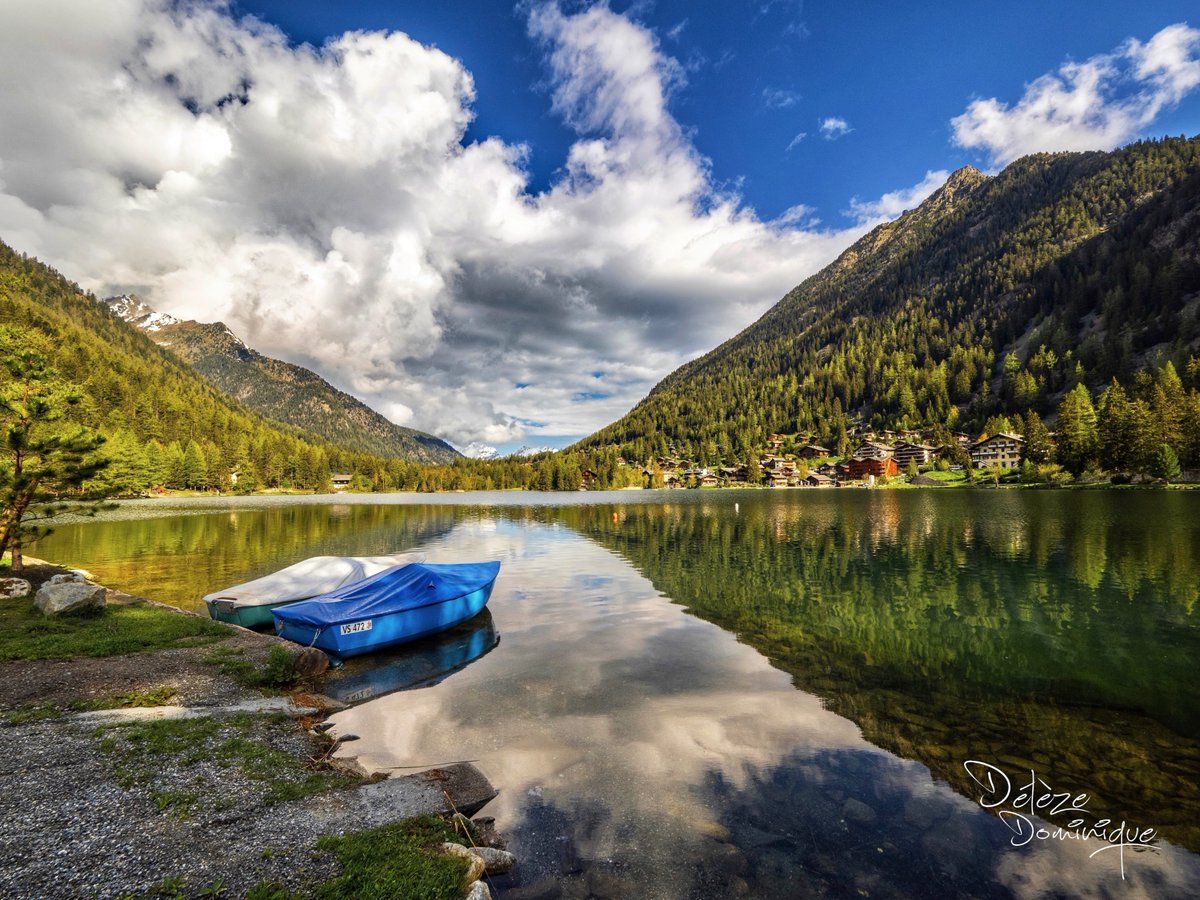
137	313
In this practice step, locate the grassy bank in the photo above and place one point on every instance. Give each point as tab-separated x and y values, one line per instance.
25	634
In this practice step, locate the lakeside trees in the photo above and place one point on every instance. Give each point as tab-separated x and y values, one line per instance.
44	457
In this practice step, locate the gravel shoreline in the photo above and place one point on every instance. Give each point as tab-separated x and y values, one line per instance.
71	830
88	812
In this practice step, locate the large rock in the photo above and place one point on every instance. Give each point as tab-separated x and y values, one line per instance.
495	862
475	865
71	577
12	588
443	791
68	597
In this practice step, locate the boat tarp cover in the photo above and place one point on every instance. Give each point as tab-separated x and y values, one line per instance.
308	578
403	587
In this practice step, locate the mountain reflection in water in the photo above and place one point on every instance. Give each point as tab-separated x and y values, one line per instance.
869	644
643	754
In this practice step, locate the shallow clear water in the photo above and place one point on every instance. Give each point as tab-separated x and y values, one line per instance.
709	694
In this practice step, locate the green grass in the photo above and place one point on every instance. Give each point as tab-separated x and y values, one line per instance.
179	803
240	742
159	696
947	477
117	630
276	672
398	860
24	715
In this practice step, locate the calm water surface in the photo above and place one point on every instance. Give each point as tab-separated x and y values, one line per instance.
769	694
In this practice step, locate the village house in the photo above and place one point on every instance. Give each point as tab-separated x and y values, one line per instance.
813	451
340	480
873	450
858	468
999	451
734	473
588	478
816	479
906	452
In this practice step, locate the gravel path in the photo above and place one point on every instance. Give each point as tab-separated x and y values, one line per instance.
71	830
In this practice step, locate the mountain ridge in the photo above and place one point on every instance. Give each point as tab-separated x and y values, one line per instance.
1082	266
281	391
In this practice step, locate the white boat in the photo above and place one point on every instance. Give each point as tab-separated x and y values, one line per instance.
250	604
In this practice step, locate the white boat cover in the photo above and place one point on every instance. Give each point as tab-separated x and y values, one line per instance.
308	578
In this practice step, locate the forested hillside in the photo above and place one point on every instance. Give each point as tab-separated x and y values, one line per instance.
293	395
997	296
165	425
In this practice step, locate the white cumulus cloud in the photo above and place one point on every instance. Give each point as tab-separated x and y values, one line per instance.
833	128
893	203
1096	104
324	204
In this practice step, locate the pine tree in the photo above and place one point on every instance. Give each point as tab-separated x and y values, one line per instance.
1038	447
1166	463
44	455
1114	428
194	467
1078	443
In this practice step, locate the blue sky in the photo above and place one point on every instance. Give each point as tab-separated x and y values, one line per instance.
760	73
503	224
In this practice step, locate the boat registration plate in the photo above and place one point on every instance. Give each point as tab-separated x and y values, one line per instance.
364	625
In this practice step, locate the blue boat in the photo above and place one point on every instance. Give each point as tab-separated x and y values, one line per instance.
398	605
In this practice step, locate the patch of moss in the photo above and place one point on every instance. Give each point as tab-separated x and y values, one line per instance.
275	672
159	696
115	631
24	715
397	860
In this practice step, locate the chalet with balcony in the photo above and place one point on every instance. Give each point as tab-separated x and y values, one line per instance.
999	451
873	450
906	452
858	468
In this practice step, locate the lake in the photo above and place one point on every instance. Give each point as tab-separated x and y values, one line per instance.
770	694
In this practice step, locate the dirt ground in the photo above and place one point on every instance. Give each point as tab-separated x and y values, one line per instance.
196	682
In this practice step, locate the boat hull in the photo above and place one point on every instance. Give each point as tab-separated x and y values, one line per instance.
352	638
246	616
